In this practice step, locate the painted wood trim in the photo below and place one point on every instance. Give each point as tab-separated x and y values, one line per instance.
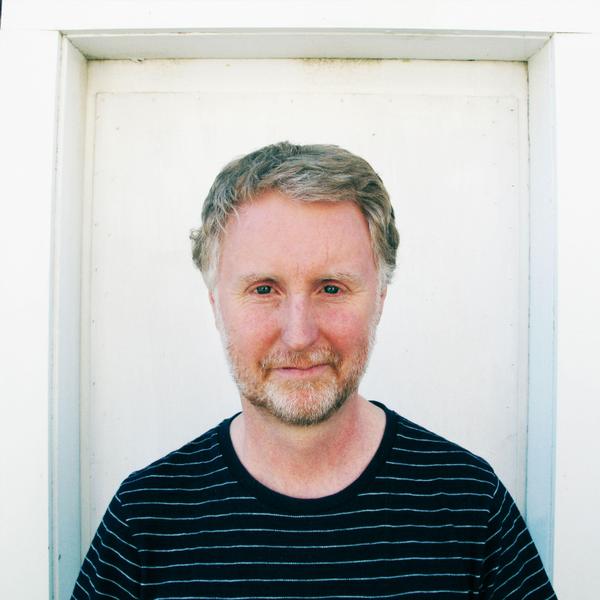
542	304
311	43
538	500
65	400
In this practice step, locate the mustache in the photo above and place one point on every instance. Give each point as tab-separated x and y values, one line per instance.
301	360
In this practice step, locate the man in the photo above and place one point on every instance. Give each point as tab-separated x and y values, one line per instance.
311	491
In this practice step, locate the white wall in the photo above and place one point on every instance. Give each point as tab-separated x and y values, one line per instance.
29	59
577	514
28	80
182	15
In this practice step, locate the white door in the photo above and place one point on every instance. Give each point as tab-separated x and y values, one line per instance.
450	142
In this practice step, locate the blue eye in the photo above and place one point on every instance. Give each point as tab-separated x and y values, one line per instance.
263	289
331	289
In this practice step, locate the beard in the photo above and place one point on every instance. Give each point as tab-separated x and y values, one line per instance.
300	402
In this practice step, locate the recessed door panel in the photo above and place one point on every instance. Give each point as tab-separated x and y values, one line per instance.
449	140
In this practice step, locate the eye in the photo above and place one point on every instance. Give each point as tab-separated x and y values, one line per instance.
331	289
263	290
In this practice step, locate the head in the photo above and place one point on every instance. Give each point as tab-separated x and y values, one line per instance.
308	173
297	246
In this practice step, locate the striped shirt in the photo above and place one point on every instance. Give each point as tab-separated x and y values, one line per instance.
426	519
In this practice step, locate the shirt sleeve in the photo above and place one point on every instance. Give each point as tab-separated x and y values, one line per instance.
512	568
111	568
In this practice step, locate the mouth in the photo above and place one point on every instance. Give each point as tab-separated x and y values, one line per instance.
301	372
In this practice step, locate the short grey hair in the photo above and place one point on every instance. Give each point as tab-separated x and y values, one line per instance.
309	173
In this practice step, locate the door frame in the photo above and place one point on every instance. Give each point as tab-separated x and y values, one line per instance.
68	374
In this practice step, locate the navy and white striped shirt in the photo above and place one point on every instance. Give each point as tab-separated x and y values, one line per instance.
426	519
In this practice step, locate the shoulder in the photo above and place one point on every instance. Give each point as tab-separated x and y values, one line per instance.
199	460
426	455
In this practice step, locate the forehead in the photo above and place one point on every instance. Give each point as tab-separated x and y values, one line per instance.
274	233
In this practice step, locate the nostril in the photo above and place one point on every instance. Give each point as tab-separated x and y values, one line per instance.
299	328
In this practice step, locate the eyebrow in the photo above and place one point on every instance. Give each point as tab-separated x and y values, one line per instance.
350	278
343	276
252	277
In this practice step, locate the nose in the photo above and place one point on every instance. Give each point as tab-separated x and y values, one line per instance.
299	329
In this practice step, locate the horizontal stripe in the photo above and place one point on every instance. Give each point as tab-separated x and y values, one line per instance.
378	510
118	537
436	465
209	435
416	451
431	479
424	495
102	578
190	452
98	593
305	531
202	503
292	597
100	560
311	563
179	475
313	546
168	489
109	547
297	580
424	440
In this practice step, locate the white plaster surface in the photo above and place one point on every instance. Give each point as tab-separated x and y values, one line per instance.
185	15
28	76
577	518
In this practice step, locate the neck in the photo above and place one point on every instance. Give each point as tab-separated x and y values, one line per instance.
309	462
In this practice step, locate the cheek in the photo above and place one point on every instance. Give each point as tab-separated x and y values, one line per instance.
250	328
344	328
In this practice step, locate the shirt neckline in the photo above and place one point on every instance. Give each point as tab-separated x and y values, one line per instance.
306	505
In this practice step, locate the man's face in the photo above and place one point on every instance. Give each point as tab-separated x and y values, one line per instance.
297	302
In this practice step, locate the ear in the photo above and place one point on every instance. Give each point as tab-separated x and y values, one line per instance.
214	304
381	299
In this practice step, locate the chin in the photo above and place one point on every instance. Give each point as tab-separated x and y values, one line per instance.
302	404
